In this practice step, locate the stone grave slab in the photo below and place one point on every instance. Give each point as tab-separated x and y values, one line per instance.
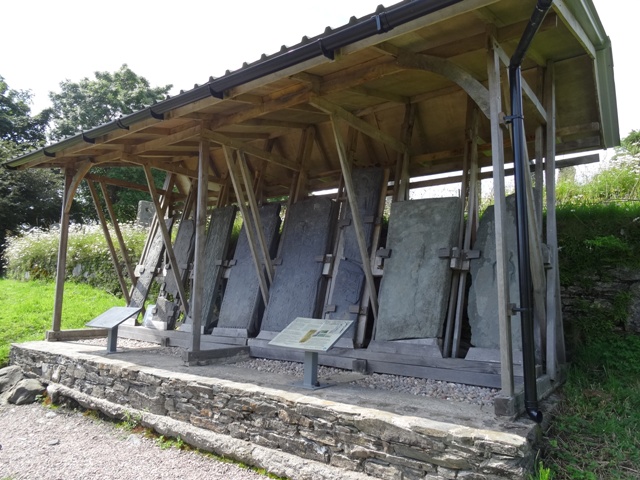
242	305
297	289
483	294
348	277
415	285
147	269
183	249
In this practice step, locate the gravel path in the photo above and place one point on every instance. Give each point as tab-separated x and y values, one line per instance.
38	442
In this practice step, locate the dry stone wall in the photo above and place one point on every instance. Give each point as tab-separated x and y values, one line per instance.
606	291
374	442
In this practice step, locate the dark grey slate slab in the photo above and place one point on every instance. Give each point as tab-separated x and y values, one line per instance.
242	306
483	294
297	289
216	250
348	277
150	263
415	285
113	317
183	249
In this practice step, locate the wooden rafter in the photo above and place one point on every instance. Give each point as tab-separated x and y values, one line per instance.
445	68
357	123
248	148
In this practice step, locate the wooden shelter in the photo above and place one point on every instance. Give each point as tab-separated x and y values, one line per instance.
418	90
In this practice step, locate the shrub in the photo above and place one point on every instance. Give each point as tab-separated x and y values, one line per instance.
32	255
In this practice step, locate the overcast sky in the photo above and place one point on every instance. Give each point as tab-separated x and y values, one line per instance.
182	43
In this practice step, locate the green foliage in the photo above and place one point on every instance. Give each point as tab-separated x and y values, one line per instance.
629	146
25	197
26	310
92	102
17	126
595	237
596	433
32	255
129	422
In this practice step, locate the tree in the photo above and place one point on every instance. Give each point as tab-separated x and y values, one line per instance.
630	146
26	197
92	102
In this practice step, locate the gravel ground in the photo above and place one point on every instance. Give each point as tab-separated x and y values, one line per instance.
38	442
415	386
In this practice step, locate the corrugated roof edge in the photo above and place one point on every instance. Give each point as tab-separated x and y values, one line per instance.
380	21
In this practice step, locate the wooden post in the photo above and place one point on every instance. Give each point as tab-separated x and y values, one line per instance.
166	238
537	191
536	262
107	237
555	332
235	180
201	238
497	160
61	266
470	226
257	223
447	346
116	228
405	157
357	219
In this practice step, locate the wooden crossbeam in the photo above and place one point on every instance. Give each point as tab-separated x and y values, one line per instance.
356	217
168	140
251	235
224	140
81	171
357	123
166	238
109	240
541	113
445	68
116	228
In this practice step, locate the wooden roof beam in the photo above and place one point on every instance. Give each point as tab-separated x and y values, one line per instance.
357	123
541	113
176	137
445	68
249	149
574	27
372	92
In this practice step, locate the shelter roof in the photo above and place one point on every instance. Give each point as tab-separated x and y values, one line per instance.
429	54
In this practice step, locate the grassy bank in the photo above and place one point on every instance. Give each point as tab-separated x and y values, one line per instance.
27	308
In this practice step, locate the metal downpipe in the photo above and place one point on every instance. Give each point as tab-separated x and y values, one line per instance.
522	221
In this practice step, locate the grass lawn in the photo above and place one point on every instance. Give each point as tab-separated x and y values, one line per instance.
27	309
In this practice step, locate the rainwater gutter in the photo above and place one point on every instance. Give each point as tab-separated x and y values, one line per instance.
522	221
325	44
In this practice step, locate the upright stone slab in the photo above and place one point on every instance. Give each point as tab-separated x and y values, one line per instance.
147	269
216	250
146	210
483	294
348	277
183	249
297	289
242	305
416	282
